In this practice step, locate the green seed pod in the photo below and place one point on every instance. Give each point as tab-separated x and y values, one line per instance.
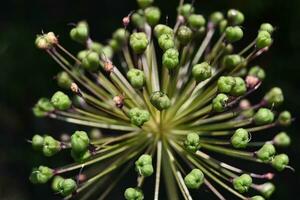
240	138
170	58
67	187
184	35
194	179
91	61
267	189
216	17
266	152
133	194
196	21
82	54
263	116
37	142
201	71
186	10
239	87
80	33
258	72
282	139
232	61
263	39
285	118
50	146
192	142
114	44
233	33
160	100
121	35
136	78
235	17
152	15
42	107
144	3
144	165
138	42
61	101
64	80
80	157
219	102
108	51
96	47
257	197
274	97
242	183
280	162
80	141
56	183
162	29
223	25
41	175
228	49
267	27
226	84
138	117
166	42
138	19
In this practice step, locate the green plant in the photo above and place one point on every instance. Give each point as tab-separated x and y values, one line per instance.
152	112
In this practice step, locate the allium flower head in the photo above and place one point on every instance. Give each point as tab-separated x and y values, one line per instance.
167	100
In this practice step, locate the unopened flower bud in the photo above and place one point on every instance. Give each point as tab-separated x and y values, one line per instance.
242	183
233	61
285	118
219	102
114	44
91	60
64	80
79	141
267	189
266	152
257	197
263	39
267	27
138	19
196	21
50	146
233	33
274	97
61	101
133	194
160	100
240	138
138	116
186	10
144	3
184	35
263	116
280	161
37	142
216	17
41	175
257	72
162	29
144	165
235	17
170	58
226	84
282	139
192	142
42	107
166	42
152	15
120	35
80	33
138	42
201	71
194	179
136	78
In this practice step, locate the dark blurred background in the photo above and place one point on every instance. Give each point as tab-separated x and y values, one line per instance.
27	73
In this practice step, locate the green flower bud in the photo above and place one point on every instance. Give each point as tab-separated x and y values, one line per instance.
226	84
242	183
267	189
219	102
194	179
285	118
41	175
240	138
138	42
80	33
192	142
282	139
186	10
239	87
196	21
166	42
280	161
216	17
263	116
138	19
257	198
64	80
152	15
136	78
267	27
138	117
184	35
37	142
235	17
61	101
170	58
96	47
80	156
144	3
233	61
144	165
56	182
42	107
80	141
50	146
67	187
162	29
233	33
133	194
120	35
263	39
114	44
90	61
266	152
160	100
274	97
108	51
201	71
257	72
223	25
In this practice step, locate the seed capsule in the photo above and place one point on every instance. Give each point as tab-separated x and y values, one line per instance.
170	58
280	162
219	102
194	179
152	15
138	116
61	101
201	71
192	142
41	175
240	138
133	194
263	116
144	165
138	42
266	152
136	78
242	183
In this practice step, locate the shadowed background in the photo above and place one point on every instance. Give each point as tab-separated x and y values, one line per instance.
27	73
